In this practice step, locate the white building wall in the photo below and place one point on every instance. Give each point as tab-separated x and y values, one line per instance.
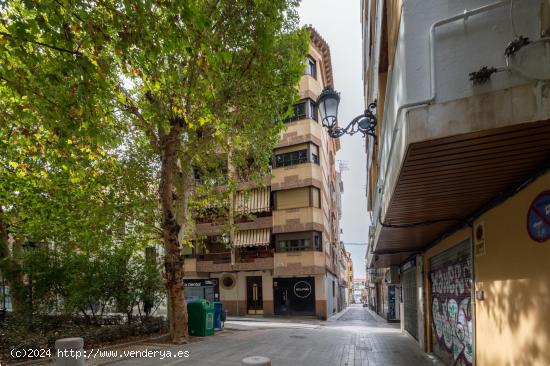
460	48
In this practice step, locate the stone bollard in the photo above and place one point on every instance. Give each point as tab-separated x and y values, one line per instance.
69	352
256	361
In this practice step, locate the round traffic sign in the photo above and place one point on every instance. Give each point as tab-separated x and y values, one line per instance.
538	218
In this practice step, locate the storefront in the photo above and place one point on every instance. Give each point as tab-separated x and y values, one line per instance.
294	296
201	288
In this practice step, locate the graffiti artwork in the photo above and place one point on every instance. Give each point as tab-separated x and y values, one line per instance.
451	311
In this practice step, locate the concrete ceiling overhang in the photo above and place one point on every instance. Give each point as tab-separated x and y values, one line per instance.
447	180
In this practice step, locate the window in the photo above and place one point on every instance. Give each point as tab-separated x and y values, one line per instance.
317	240
296	154
315	197
314	153
311	67
293	245
301	241
298	198
291	158
304	109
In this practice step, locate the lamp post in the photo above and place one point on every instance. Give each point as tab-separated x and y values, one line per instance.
327	103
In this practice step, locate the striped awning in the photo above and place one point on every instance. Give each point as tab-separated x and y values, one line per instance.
252	238
253	200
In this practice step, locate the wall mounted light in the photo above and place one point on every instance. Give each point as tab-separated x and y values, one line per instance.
328	102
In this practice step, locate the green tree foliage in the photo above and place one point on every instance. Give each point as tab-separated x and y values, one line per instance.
106	107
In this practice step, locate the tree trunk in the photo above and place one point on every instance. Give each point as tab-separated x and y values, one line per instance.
231	179
11	270
177	310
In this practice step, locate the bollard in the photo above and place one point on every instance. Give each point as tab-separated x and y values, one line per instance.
256	361
69	352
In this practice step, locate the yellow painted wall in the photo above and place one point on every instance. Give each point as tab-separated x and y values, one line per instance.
513	320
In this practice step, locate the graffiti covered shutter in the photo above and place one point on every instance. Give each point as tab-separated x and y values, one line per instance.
408	281
451	321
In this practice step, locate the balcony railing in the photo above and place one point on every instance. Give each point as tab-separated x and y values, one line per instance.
224	257
250	256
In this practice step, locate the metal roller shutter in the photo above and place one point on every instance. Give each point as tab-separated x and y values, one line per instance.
410	301
450	281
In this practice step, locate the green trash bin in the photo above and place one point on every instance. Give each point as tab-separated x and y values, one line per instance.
201	318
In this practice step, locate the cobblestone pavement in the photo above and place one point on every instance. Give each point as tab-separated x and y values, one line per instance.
356	338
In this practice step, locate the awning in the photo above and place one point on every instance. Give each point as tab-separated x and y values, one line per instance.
254	200
252	238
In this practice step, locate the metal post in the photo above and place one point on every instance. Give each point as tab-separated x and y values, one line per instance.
69	352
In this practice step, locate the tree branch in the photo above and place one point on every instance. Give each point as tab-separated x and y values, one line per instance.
43	44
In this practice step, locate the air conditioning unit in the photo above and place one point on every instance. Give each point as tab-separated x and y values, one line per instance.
392	275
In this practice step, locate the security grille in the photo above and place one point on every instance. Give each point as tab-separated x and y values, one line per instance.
450	279
410	301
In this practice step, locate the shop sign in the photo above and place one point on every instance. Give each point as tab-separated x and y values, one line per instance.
538	218
199	282
302	289
408	265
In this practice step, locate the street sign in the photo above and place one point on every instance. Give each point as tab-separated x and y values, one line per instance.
538	218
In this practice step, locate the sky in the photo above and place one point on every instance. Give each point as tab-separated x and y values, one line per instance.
339	23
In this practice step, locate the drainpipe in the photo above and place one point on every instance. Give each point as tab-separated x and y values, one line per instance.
462	16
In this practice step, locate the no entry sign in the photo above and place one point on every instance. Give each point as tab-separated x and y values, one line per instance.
538	218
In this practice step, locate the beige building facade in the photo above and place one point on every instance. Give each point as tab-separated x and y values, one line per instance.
459	181
287	259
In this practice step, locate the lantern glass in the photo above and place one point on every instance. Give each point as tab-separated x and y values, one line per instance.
327	104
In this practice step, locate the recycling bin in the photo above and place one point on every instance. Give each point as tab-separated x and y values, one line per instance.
201	318
218	306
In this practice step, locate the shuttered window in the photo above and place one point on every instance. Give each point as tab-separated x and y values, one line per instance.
292	198
298	198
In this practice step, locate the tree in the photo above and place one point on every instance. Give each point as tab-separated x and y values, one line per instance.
186	80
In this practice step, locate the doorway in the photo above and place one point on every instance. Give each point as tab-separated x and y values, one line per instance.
254	295
294	296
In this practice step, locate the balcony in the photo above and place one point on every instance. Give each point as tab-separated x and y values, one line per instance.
214	262
447	148
250	260
209	228
251	256
261	258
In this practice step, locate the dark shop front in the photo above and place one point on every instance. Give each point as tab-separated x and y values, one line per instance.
294	296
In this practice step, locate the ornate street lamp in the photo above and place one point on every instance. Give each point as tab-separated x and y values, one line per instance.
327	103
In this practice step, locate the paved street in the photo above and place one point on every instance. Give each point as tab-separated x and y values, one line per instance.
356	338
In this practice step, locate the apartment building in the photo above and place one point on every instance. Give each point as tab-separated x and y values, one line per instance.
286	260
458	180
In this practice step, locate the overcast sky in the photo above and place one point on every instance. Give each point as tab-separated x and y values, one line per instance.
339	23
